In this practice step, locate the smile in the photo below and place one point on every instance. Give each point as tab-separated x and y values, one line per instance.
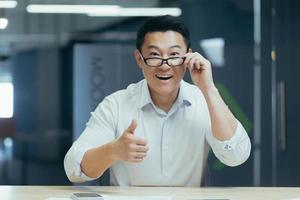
163	77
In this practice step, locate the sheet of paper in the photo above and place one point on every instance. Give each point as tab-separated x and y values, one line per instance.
56	198
137	197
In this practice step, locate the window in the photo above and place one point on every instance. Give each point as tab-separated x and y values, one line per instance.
214	50
6	100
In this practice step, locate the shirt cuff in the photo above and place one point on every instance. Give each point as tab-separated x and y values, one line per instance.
78	158
232	143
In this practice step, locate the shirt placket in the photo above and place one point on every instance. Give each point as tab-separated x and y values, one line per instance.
165	150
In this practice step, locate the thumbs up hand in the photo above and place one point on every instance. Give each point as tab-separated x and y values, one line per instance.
129	147
132	127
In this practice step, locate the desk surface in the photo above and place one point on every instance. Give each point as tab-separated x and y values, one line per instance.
233	193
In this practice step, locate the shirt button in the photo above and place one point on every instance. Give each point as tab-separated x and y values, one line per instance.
227	147
162	115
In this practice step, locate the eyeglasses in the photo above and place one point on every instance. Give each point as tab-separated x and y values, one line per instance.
157	62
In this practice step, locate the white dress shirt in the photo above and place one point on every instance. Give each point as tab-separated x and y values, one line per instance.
178	141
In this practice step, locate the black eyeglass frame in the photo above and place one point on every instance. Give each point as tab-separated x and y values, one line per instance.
162	60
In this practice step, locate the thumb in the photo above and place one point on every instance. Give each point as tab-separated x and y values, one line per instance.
132	126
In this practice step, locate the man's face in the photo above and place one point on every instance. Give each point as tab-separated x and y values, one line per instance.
163	80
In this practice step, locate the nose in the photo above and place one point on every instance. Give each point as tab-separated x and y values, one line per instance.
165	65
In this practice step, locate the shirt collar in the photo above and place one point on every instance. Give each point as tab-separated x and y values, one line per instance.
183	97
145	98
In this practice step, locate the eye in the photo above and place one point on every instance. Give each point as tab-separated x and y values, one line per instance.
154	54
175	54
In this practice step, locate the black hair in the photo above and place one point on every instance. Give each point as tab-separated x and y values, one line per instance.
162	24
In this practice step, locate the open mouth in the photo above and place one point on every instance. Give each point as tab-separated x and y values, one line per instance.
164	77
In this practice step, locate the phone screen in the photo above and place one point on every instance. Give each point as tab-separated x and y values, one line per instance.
86	195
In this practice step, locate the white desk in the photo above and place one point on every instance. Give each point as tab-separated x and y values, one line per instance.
234	193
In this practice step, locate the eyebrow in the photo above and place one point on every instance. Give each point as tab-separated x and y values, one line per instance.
156	47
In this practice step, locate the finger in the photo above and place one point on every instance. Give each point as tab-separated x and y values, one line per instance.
190	58
136	156
187	55
141	141
197	65
140	148
136	160
203	60
132	126
192	64
140	155
133	155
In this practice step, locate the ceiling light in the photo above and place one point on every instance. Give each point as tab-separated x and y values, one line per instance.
70	9
101	10
3	23
132	12
8	4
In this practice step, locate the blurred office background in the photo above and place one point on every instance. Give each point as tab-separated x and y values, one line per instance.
56	67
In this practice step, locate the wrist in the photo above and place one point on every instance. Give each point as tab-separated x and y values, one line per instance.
114	150
209	90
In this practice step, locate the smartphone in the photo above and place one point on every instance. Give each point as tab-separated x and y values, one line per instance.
86	196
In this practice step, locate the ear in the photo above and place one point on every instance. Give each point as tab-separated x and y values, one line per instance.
138	58
190	50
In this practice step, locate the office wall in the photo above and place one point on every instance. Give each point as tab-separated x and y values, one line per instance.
99	70
40	142
48	89
36	78
96	74
25	82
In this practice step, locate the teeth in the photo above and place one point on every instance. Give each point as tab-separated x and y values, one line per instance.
163	76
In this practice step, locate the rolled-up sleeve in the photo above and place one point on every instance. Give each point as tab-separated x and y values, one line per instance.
234	151
99	130
73	160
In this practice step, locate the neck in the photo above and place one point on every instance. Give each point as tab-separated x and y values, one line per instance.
164	102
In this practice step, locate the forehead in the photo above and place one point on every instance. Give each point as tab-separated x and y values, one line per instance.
166	39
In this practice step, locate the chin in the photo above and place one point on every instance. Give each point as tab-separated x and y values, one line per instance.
164	88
